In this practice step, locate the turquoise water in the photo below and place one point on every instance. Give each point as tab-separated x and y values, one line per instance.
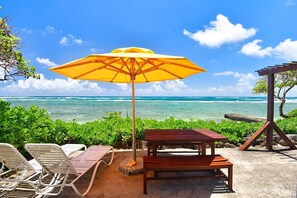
86	108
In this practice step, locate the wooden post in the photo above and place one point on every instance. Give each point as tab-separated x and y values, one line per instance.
270	99
270	111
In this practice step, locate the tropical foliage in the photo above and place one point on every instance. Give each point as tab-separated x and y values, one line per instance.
12	61
19	126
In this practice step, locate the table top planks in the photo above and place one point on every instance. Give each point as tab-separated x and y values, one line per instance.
182	135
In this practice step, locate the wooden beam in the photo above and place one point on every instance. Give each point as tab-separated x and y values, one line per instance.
283	136
277	69
254	137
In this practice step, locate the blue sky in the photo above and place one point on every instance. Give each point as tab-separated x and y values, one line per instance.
230	39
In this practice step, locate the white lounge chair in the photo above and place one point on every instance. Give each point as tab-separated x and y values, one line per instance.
19	169
55	162
71	149
16	171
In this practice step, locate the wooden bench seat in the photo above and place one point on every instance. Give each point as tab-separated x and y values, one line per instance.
185	163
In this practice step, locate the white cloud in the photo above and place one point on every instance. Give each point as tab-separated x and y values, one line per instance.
241	87
157	87
175	85
170	87
50	29
94	50
220	90
46	61
226	73
1	72
78	41
253	49
237	75
220	32
285	50
290	3
64	41
67	87
123	86
26	30
57	86
71	40
245	82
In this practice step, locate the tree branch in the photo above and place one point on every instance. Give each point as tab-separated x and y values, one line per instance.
291	87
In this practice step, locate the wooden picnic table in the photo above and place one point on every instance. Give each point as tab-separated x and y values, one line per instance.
156	137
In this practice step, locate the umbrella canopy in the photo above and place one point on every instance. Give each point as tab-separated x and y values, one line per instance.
129	65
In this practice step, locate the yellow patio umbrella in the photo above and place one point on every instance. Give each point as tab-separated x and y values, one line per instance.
129	65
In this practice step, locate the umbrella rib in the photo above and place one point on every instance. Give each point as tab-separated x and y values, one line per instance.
151	68
185	66
116	75
170	73
125	64
113	68
71	65
97	68
140	66
168	62
158	67
145	77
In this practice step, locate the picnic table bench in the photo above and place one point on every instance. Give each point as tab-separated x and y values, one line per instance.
185	163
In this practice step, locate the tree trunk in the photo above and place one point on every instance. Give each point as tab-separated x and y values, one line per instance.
281	107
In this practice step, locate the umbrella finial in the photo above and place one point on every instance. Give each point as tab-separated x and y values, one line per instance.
133	50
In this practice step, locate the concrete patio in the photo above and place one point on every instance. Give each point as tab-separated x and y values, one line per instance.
257	173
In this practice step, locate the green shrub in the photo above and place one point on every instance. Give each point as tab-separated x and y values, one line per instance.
288	125
292	113
19	126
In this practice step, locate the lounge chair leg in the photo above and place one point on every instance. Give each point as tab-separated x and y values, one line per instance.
90	184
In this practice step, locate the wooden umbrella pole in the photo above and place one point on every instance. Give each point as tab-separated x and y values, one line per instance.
133	112
133	123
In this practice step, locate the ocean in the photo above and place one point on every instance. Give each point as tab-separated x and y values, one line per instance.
89	108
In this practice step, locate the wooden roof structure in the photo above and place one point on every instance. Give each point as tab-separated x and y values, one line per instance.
278	68
270	125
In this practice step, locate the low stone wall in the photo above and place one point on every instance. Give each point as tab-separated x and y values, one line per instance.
261	142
